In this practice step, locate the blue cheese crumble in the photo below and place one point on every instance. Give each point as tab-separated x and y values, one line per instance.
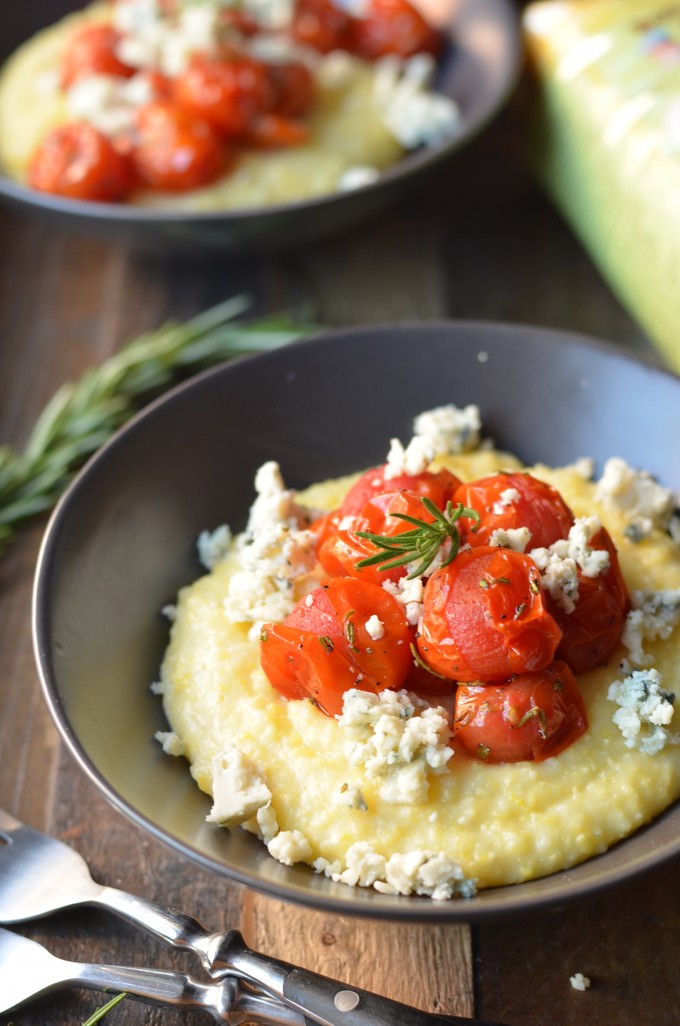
408	594
398	738
442	431
170	742
410	111
238	788
507	498
653	616
375	628
277	554
515	538
645	711
560	563
431	874
634	493
289	847
214	546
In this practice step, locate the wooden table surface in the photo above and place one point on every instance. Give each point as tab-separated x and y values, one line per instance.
479	242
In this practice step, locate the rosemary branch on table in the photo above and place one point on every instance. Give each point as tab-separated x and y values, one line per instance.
83	414
104	1010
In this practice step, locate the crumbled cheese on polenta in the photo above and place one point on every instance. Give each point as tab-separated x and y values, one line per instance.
645	711
276	553
397	737
432	874
645	503
560	563
442	431
238	788
654	615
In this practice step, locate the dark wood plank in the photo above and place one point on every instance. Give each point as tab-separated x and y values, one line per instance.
624	942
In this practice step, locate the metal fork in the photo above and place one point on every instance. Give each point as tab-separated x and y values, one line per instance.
40	875
29	971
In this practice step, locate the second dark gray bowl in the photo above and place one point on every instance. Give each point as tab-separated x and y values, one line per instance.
478	71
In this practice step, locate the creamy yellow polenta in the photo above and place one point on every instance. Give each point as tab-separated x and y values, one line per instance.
345	131
501	823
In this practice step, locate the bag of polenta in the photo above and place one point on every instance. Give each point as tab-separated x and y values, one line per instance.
604	138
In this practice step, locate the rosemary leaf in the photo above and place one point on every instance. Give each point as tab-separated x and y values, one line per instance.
104	1010
83	414
422	544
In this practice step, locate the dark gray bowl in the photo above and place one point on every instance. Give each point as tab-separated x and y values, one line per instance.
122	542
479	71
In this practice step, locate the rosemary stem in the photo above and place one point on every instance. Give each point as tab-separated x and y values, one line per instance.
83	414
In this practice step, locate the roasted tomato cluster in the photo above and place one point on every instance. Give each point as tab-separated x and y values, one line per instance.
190	130
487	634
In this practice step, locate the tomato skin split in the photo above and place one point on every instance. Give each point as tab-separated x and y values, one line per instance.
484	617
324	647
531	717
539	507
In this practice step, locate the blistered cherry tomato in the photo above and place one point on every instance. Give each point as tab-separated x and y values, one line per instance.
393	27
484	617
343	549
324	647
439	486
301	664
91	50
321	24
273	131
80	162
593	630
241	22
227	94
531	717
510	501
325	525
294	88
424	681
174	151
160	85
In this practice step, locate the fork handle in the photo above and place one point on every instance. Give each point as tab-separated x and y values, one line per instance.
227	1001
333	1004
319	998
171	925
328	1002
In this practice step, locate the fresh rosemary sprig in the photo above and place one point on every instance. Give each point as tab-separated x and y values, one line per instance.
85	413
104	1010
422	543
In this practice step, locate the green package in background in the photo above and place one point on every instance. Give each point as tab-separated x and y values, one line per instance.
603	131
